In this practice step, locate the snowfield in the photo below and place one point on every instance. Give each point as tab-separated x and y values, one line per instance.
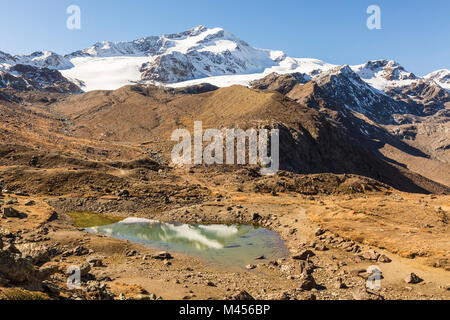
105	73
287	65
198	55
441	77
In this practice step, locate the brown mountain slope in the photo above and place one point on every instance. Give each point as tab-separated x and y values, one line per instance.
419	144
309	143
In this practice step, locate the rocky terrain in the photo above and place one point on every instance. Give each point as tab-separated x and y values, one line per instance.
363	185
109	153
415	138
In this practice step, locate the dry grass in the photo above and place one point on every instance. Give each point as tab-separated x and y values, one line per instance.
21	294
409	225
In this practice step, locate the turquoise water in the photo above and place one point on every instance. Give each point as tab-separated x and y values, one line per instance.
226	245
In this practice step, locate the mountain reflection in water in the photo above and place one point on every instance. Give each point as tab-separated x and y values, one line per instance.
224	244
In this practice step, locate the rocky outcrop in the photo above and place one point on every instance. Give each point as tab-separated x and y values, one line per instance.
280	83
16	269
9	212
27	77
429	96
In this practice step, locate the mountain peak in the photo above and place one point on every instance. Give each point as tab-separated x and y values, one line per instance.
441	77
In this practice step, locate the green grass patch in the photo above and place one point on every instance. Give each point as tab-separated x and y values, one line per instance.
92	219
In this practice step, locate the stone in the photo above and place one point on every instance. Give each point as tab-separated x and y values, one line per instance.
284	296
96	262
363	294
12	201
97	291
167	263
37	254
47	271
9	212
12	248
319	232
413	278
85	269
250	266
370	255
321	247
273	263
307	282
340	284
357	272
384	259
80	251
163	255
16	269
256	217
303	255
243	295
50	288
311	244
306	267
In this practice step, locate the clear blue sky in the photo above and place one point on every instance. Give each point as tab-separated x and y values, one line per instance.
414	33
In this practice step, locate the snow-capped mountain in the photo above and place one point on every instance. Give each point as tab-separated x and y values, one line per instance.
37	71
200	55
6	58
29	77
342	85
45	59
382	74
40	59
196	53
392	79
441	77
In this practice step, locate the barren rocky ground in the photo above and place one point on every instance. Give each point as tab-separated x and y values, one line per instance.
336	219
332	241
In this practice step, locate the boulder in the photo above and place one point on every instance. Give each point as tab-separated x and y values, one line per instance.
384	259
321	247
319	232
96	262
243	295
256	217
370	255
36	253
413	278
85	269
47	271
303	255
163	255
307	282
80	251
9	212
16	269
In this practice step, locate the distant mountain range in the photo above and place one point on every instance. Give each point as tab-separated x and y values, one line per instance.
375	119
196	55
